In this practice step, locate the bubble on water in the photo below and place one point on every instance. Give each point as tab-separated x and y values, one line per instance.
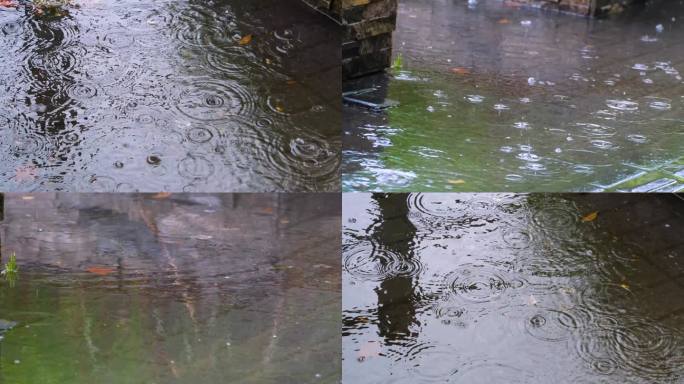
636	138
622	105
512	177
602	144
430	108
154	160
475	99
647	81
527	156
648	39
522	125
506	149
525	100
641	67
531	81
659	28
500	107
660	104
526	22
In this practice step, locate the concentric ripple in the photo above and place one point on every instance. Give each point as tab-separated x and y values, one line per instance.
215	101
551	325
476	284
376	264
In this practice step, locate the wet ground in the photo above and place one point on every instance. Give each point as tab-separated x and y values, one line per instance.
180	289
493	97
142	95
480	288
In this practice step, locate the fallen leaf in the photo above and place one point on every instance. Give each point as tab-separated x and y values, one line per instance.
28	197
8	4
532	300
246	40
504	21
291	82
590	217
624	286
101	271
458	181
162	195
461	70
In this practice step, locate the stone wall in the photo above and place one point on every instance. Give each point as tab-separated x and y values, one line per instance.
369	24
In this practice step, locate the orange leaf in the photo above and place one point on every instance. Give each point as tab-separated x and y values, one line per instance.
460	70
504	21
590	217
246	40
101	271
162	195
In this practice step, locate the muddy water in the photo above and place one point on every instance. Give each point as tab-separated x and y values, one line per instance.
186	289
518	99
169	95
513	288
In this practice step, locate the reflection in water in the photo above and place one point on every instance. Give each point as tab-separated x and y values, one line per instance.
186	288
512	288
494	97
91	96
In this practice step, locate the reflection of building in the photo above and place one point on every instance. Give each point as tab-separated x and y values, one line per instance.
367	42
584	7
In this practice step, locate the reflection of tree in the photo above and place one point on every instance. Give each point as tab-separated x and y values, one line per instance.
397	300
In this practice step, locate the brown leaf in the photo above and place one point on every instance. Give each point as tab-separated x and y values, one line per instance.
246	40
503	20
161	195
101	271
461	70
590	217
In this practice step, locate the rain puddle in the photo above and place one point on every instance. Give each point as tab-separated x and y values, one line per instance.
142	95
494	97
493	288
171	289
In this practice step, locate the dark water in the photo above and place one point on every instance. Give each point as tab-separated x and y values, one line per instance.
141	95
497	98
181	289
479	288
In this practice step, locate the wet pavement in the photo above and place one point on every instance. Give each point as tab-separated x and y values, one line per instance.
194	96
171	289
494	288
493	97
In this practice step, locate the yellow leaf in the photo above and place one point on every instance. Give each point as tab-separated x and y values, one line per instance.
458	181
624	286
590	217
246	40
27	197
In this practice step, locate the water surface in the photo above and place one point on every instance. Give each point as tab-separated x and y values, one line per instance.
492	288
497	98
142	95
180	289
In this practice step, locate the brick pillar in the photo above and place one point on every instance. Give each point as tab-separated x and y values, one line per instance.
367	42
